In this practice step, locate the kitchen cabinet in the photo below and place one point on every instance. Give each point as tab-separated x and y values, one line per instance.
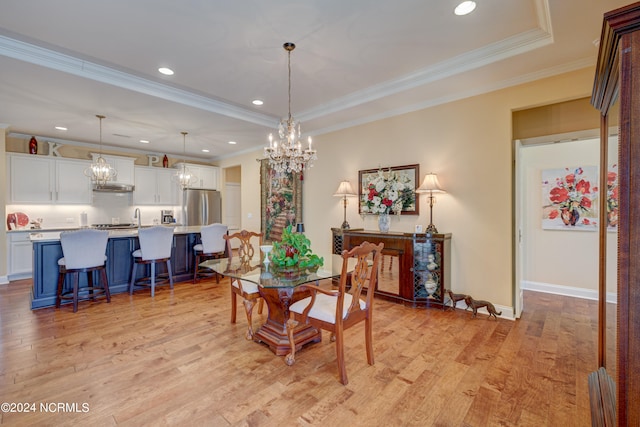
207	177
44	179
154	186
124	167
19	255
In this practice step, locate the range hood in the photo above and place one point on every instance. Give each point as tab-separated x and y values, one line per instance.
113	188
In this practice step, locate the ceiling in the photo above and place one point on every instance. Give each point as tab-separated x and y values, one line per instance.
356	61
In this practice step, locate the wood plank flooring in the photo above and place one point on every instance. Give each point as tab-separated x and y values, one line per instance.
177	360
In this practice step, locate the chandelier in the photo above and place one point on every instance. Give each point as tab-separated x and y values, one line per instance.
183	176
100	171
286	153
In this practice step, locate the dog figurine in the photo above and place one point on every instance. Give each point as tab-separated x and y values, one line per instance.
455	298
476	304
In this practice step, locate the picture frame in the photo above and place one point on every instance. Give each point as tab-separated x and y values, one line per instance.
409	175
280	201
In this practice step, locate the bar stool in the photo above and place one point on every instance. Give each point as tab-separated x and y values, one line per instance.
83	251
155	246
213	246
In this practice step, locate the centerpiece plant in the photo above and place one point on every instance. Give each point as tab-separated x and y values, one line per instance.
294	250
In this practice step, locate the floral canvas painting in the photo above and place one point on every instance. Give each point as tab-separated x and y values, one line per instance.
389	190
570	198
612	197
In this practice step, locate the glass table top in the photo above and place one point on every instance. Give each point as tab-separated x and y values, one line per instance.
270	276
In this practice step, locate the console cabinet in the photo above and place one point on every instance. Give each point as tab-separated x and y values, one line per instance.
423	270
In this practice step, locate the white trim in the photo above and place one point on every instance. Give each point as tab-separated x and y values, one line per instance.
58	61
569	291
4	280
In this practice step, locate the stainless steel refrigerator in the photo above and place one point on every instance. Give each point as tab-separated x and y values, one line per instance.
201	207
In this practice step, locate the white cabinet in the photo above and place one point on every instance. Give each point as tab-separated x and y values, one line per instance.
20	254
153	186
44	179
124	167
206	176
72	186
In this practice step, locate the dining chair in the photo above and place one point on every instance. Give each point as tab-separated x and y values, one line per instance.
339	309
83	251
212	246
155	246
247	242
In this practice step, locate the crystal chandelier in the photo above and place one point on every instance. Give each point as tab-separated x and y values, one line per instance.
183	176
100	171
286	154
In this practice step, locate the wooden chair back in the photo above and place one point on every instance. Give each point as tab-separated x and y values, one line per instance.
247	248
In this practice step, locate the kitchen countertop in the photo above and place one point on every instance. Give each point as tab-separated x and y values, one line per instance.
51	235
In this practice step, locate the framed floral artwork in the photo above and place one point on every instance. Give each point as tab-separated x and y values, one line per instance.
612	197
280	201
570	198
389	190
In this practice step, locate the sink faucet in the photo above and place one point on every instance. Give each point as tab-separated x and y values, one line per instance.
136	215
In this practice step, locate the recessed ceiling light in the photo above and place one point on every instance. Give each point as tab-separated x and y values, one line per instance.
61	128
166	71
465	8
204	150
257	102
144	141
232	142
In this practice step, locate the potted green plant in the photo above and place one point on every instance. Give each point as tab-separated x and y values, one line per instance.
293	253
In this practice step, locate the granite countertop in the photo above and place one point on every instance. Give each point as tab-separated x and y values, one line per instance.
51	235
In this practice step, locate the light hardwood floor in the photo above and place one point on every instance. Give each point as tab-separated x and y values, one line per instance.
176	360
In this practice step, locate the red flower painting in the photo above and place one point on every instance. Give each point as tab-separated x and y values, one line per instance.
571	196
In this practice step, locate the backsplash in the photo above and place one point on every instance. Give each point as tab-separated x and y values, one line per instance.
106	208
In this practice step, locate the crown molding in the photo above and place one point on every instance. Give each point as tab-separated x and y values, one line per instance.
61	62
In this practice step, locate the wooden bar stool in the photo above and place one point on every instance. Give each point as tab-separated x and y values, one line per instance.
155	246
83	251
213	246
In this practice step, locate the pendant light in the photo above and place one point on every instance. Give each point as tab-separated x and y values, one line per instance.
183	176
100	171
285	154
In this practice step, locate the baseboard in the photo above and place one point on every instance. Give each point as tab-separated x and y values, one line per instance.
4	280
569	291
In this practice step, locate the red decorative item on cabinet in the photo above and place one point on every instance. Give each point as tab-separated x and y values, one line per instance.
165	161
33	145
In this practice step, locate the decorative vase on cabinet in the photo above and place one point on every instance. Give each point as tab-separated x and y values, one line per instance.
384	222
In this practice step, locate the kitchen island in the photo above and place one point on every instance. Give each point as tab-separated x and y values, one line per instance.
47	251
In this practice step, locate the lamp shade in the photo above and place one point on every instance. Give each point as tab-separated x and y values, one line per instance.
430	184
345	189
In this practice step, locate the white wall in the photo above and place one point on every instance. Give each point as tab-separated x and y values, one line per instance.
562	258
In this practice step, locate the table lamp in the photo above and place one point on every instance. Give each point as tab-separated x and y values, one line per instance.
430	185
344	191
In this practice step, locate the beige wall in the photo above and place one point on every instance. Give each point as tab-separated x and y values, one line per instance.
468	143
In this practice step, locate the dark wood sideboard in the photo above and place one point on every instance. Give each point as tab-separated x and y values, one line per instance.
421	259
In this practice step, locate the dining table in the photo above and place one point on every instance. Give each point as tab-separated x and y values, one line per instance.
280	287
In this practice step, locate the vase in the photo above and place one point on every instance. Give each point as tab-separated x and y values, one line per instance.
569	216
384	221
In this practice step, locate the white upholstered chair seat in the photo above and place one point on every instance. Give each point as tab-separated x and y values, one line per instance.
155	246
82	251
63	262
213	246
324	307
247	287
